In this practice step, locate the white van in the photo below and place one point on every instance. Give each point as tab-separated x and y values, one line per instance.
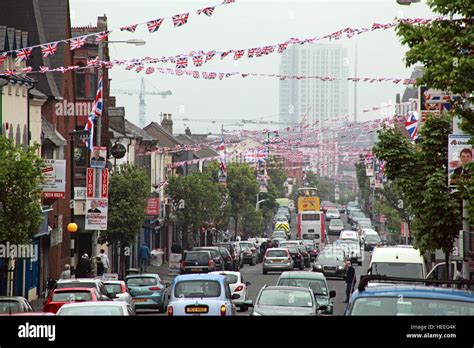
398	261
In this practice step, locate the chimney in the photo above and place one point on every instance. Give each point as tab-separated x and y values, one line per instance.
112	102
397	98
187	131
167	123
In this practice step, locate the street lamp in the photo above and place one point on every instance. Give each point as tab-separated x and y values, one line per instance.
257	205
407	2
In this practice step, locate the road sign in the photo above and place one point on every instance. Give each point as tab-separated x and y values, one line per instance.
282	226
308	204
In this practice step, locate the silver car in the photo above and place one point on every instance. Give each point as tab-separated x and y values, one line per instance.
285	300
277	259
119	292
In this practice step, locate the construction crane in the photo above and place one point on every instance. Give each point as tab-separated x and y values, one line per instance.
221	120
305	117
141	96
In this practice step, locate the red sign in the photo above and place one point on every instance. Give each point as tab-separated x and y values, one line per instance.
105	183
90	183
153	207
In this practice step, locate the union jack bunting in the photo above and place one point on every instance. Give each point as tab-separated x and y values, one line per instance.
228	1
49	49
188	72
210	55
180	19
256	156
225	54
93	62
154	25
377	26
267	50
207	11
23	55
149	70
197	60
179	72
44	69
138	69
258	52
130	28
239	54
245	75
221	76
101	37
26	70
77	43
251	52
196	74
282	47
182	63
411	125
3	56
397	81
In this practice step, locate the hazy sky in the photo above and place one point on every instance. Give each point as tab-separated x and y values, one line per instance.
244	24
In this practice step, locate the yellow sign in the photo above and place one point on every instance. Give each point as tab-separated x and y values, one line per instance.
308	204
282	226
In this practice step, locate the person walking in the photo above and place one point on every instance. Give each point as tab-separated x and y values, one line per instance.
66	274
84	267
350	280
105	260
144	257
99	266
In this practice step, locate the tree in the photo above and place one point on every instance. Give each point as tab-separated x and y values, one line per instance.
252	222
243	188
128	191
420	173
445	49
277	175
20	194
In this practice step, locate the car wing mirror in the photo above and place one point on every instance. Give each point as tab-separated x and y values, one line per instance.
332	294
235	296
248	283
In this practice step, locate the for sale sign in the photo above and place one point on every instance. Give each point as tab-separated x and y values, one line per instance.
54	183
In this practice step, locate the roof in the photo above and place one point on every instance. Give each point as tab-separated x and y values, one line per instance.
153	126
203	276
146	275
75	289
96	304
419	291
197	139
292	288
48	132
137	131
45	21
393	253
79	280
303	274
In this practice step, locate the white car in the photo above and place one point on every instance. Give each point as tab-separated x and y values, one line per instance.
349	235
107	308
238	288
333	214
119	291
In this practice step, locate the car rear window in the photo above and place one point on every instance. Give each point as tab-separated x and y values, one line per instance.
71	296
92	310
197	256
76	285
231	279
10	306
197	288
277	253
141	281
113	288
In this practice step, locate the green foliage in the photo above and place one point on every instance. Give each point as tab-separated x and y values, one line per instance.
277	176
20	196
363	181
252	222
128	191
419	175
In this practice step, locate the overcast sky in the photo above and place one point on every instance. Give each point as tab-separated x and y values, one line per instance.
244	24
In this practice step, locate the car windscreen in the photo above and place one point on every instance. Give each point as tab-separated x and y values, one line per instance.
196	256
318	286
113	288
310	217
372	238
333	211
335	255
398	269
277	253
246	245
141	281
10	307
92	310
336	223
197	288
71	296
410	306
279	233
75	285
285	298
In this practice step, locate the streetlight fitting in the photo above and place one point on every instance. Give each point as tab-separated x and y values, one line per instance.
136	42
407	2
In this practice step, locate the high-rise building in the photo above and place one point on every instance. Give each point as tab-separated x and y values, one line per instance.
325	100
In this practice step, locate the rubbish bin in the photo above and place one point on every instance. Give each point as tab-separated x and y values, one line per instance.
156	257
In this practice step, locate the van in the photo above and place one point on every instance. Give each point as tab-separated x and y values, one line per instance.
398	261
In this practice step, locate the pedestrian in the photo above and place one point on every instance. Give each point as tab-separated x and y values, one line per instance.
105	260
66	274
176	248
84	268
99	266
350	280
144	257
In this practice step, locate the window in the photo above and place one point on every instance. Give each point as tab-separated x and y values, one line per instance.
80	78
71	296
197	288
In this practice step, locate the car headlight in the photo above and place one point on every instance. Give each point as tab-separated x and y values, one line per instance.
319	266
340	267
257	314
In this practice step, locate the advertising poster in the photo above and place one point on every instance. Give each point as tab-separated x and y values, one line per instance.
378	173
153	207
96	214
98	157
369	167
459	155
54	174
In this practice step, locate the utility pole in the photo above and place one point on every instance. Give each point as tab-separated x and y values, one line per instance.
466	273
355	84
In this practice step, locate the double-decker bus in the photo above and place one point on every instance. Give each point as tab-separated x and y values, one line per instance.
310	218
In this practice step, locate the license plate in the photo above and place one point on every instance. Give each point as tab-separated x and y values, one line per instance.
196	269
196	310
139	300
277	260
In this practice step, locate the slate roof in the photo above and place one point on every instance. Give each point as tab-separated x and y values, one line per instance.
157	127
137	131
48	132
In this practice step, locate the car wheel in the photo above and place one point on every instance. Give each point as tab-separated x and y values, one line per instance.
301	267
244	308
360	263
253	262
265	271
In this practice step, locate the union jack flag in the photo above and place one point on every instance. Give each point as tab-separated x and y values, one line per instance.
258	52
256	155
3	56
228	1
149	70
26	70
210	55
100	37
154	25
377	26
411	125
182	63
130	28
44	69
207	11
98	102
23	55
225	54
222	165
77	43
179	72
238	54
138	69
196	74
282	47
197	60
180	19
90	127
221	76
267	50
93	62
49	49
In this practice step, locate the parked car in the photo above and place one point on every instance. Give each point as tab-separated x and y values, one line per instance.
60	297
235	256
111	308
238	288
197	262
277	259
216	254
286	301
119	291
335	226
85	283
201	294
331	263
148	291
316	282
14	304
